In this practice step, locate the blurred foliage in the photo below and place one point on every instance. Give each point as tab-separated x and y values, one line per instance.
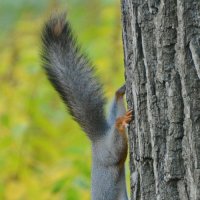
44	154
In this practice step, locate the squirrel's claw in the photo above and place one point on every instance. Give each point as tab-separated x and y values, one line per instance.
128	117
123	122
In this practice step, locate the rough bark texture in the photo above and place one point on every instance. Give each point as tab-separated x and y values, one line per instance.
162	58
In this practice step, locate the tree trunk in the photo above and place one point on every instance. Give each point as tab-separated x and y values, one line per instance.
162	58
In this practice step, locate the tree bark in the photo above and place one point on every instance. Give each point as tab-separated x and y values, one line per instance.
162	60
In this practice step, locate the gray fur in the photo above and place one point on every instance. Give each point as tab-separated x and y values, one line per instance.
71	74
108	179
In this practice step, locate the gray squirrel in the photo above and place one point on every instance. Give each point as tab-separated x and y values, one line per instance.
72	75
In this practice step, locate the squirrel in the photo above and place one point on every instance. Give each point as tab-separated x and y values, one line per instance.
72	75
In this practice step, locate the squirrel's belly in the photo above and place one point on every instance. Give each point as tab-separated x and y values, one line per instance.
108	183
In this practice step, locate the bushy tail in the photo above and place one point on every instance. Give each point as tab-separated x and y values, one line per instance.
71	74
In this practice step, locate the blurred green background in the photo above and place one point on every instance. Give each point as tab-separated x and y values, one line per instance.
43	154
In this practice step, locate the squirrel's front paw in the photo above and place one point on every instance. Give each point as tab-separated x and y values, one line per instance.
122	122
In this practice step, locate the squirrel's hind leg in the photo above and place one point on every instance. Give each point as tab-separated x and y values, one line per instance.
120	92
117	107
